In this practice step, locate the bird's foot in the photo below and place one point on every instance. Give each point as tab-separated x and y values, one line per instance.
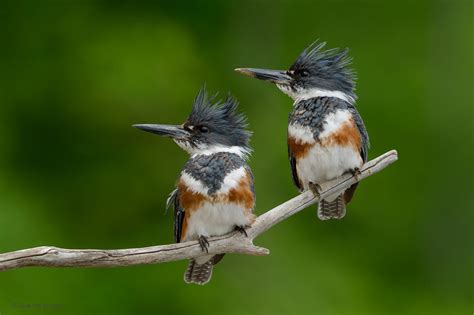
204	243
355	172
241	229
315	188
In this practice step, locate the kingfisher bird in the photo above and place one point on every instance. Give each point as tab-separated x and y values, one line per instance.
326	134
215	193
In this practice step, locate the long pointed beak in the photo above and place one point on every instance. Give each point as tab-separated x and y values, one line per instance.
275	76
173	131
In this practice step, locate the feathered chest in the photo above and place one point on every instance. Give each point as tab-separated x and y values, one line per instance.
220	177
213	174
334	129
216	194
323	140
323	121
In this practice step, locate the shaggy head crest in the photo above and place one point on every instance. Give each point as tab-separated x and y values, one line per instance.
328	69
220	121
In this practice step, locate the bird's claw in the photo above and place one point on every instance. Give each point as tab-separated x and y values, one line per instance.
241	229
204	243
355	172
315	188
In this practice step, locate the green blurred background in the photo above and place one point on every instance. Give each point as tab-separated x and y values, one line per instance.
75	75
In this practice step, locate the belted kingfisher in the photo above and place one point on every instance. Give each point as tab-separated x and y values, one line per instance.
326	135
215	193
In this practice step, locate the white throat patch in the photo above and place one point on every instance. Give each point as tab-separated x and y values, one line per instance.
208	150
306	94
201	149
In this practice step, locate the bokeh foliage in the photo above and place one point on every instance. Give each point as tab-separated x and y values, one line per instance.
75	75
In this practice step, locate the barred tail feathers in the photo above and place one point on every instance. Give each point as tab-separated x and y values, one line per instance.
335	209
199	270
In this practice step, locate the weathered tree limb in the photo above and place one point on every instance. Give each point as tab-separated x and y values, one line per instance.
48	256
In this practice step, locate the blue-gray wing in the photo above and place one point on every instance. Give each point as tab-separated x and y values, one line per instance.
364	148
294	173
252	185
173	201
364	137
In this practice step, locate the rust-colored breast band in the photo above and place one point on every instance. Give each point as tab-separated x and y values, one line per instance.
298	148
346	135
242	193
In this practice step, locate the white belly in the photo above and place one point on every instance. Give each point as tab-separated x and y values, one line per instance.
323	164
214	219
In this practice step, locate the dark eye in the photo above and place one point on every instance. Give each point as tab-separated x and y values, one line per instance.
203	129
304	73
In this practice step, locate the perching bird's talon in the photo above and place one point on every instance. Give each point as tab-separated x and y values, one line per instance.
204	243
315	188
355	172
241	229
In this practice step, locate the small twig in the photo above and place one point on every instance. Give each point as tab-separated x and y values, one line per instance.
48	256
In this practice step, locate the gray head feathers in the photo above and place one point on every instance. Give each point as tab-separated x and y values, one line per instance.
218	122
328	69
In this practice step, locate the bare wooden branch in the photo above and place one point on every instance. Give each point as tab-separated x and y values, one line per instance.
49	256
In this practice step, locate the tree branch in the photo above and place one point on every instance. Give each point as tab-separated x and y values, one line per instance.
48	256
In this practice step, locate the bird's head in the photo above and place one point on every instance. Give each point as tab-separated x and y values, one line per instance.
316	72
212	126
